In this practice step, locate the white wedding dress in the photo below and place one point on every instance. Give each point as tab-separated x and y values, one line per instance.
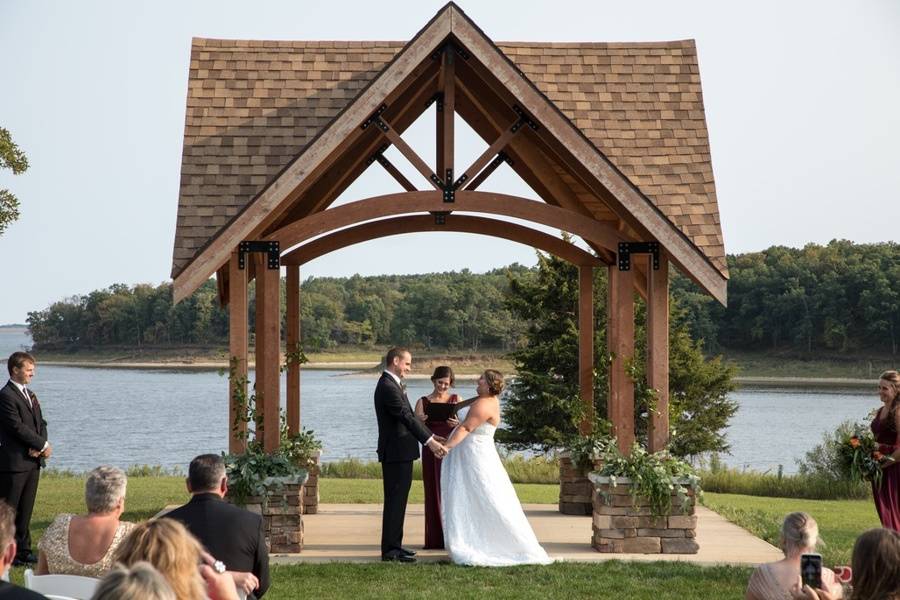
484	524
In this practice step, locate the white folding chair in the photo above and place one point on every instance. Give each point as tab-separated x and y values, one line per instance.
62	586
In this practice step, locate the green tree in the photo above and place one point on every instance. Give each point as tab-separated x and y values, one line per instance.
11	157
543	408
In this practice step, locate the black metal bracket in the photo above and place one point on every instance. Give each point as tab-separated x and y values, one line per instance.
626	249
449	187
439	98
272	250
378	156
440	217
375	119
524	119
500	158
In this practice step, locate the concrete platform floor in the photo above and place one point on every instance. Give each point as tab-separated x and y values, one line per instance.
351	533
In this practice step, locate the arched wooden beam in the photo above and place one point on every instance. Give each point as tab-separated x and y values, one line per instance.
432	201
459	223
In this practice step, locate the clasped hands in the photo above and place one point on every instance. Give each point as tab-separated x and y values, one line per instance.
47	453
436	445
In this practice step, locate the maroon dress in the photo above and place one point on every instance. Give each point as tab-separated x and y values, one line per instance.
887	497
431	479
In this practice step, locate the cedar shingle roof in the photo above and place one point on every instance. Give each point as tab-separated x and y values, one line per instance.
254	105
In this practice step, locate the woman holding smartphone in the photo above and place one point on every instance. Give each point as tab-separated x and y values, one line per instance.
774	581
442	379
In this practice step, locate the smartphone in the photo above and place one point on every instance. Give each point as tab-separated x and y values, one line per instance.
811	570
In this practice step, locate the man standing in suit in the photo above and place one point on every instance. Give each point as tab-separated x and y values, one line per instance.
399	436
23	448
231	534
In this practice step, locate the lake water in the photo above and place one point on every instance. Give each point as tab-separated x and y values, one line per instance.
134	417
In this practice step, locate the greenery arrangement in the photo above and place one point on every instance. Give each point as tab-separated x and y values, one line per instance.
860	458
252	471
652	476
586	451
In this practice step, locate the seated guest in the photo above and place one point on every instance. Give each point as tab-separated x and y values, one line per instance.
773	581
140	582
8	555
178	557
84	545
876	569
231	534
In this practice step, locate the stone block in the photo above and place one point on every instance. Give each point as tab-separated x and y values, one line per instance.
662	533
607	545
652	522
680	546
683	522
642	545
612	534
624	522
602	521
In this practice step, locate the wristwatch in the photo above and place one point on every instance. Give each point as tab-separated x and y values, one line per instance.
219	566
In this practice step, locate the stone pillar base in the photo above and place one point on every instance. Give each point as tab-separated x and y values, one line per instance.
622	525
281	510
575	489
310	497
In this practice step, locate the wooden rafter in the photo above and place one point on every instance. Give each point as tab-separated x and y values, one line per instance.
394	172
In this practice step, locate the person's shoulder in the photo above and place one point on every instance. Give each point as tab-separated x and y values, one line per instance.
13	592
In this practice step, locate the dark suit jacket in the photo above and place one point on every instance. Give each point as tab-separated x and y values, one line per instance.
399	430
9	591
233	535
21	429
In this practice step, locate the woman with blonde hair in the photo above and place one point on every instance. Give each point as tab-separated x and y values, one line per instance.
85	544
774	581
177	555
886	426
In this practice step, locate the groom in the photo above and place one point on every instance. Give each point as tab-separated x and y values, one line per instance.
399	435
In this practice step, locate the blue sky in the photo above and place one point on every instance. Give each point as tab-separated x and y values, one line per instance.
801	101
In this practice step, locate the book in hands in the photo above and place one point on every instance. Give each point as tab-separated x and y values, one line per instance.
441	411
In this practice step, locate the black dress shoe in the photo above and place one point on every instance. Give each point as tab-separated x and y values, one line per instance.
407	552
26	559
398	558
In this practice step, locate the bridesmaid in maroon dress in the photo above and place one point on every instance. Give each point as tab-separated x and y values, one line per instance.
885	427
443	380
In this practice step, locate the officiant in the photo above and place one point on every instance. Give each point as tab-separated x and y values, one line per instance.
437	411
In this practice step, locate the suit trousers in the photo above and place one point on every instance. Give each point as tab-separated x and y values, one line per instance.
19	489
397	478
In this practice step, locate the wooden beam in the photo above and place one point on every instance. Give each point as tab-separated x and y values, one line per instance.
268	206
348	168
483	175
658	352
432	201
583	158
586	346
489	154
268	355
406	150
394	172
292	347
620	342
448	114
238	328
455	222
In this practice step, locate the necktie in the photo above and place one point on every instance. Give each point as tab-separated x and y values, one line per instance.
27	396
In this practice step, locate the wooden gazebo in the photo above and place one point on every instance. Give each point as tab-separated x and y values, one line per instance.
611	136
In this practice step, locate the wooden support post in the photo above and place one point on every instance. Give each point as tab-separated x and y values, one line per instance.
448	78
292	339
268	345
237	350
586	345
658	352
620	340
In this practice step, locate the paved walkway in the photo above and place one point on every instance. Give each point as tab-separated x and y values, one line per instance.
351	533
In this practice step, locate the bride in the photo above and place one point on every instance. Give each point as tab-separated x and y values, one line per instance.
484	524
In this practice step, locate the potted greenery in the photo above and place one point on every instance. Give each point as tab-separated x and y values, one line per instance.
644	502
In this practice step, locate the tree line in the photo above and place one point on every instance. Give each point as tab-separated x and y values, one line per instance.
837	298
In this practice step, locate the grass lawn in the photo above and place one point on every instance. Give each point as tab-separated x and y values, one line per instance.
840	521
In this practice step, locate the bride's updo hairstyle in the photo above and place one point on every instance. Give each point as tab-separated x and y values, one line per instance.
494	381
799	533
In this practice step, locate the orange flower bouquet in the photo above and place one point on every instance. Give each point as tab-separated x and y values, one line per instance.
860	456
